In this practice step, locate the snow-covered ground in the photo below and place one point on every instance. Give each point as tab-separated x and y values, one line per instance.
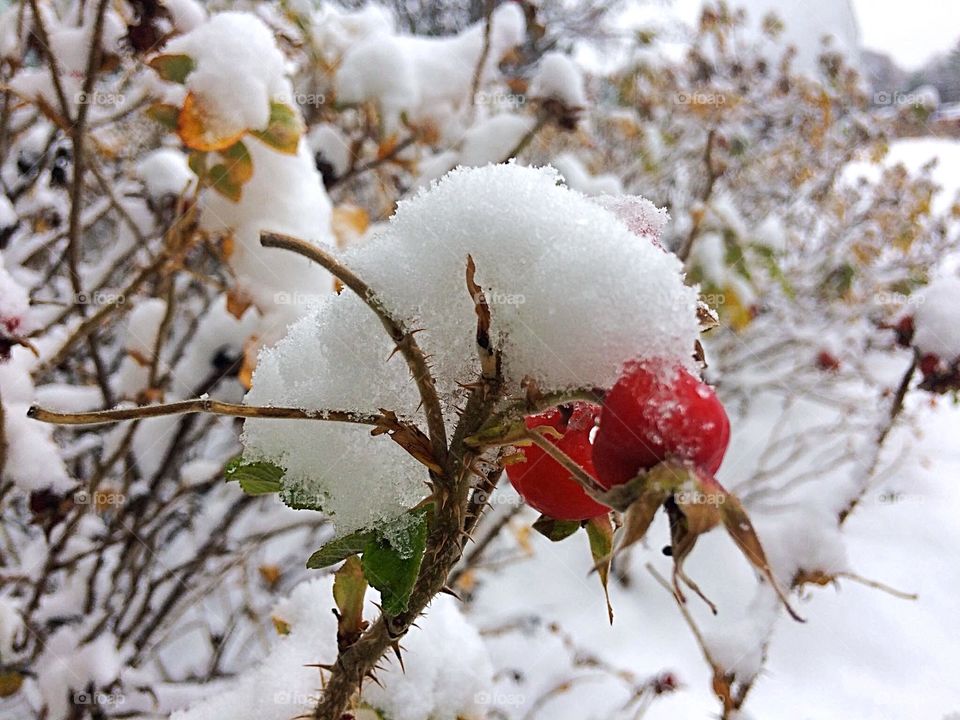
862	653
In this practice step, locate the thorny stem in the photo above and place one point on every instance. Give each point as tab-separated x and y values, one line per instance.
404	339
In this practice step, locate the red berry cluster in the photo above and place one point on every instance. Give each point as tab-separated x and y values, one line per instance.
656	411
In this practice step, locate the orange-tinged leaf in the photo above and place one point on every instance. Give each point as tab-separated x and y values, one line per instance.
237	302
270	574
196	130
349	223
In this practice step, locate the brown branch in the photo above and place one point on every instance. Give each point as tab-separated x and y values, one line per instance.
683	252
198	405
404	339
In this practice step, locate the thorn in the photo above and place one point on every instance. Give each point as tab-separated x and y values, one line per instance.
447	590
396	650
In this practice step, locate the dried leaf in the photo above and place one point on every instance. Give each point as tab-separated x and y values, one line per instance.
237	302
740	529
555	530
349	589
600	533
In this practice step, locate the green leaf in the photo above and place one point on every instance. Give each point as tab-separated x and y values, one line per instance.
600	532
238	162
555	530
284	130
173	68
340	549
164	114
197	161
257	478
392	565
219	179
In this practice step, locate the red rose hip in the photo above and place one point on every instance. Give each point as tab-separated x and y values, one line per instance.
658	410
543	482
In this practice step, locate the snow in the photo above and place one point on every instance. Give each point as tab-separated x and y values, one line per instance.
239	70
494	139
642	217
559	78
935	319
11	624
186	14
328	140
423	76
165	172
446	663
532	240
577	177
8	215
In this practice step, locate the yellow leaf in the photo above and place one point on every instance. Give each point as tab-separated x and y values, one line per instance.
196	130
349	224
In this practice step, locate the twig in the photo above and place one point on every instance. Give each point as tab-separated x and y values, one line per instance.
198	405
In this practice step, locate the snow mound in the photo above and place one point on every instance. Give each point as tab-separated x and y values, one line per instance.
572	294
239	69
935	319
446	663
558	78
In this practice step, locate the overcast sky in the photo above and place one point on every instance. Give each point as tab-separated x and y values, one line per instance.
909	30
